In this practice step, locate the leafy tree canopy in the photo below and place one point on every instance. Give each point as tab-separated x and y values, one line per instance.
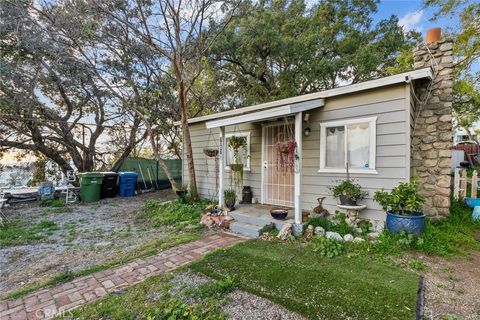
278	49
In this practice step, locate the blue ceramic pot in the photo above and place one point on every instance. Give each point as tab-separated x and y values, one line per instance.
414	224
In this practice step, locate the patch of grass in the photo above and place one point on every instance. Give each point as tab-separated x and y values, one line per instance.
150	299
172	213
416	264
54	203
304	281
14	233
214	289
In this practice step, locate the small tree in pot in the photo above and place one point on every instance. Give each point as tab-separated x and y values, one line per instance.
348	193
230	198
403	206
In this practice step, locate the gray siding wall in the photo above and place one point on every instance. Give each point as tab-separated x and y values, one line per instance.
205	166
392	109
392	105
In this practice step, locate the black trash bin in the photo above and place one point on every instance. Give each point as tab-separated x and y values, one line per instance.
109	185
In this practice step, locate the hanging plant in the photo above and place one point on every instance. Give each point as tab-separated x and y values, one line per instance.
210	152
286	148
236	174
285	153
235	143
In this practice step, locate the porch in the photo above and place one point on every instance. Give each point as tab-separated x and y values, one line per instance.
275	184
251	218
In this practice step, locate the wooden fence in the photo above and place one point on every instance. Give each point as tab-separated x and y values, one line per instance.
461	182
472	152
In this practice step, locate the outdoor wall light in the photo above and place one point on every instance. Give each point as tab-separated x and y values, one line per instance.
306	132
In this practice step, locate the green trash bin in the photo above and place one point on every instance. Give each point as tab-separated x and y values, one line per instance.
90	186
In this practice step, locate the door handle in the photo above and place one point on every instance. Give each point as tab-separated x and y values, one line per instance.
265	164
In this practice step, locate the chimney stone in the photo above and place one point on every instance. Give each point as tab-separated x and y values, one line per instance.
432	136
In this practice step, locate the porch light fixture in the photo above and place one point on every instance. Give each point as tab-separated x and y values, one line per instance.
306	132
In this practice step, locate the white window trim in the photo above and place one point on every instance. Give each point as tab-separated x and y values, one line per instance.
241	134
372	121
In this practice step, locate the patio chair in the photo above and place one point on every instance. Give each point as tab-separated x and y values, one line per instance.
2	203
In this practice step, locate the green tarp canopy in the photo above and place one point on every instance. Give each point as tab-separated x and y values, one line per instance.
150	174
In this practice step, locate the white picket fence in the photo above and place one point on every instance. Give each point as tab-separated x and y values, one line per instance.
460	183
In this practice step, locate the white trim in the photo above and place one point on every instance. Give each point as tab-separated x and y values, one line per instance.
372	121
386	81
222	167
266	114
408	130
240	134
298	168
262	187
341	170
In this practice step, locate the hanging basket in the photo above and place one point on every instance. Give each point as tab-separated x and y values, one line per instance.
210	152
236	167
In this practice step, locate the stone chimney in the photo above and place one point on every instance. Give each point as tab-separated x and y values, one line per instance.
432	136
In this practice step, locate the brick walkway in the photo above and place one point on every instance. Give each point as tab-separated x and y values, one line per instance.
50	302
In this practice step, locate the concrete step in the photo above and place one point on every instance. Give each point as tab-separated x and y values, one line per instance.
260	221
245	229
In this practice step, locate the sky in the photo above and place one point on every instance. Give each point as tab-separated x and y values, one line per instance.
413	15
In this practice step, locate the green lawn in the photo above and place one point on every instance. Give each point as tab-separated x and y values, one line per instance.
317	287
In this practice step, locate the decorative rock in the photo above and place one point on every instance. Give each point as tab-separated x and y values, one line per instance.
348	237
309	233
320	231
285	232
373	235
334	235
358	239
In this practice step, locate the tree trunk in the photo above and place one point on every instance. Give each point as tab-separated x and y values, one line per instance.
187	142
161	162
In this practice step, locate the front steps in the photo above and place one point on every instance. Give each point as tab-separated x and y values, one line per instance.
251	225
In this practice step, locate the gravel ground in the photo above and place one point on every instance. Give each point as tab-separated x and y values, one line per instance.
90	234
240	305
453	287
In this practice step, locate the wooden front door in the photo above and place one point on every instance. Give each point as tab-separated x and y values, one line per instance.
278	179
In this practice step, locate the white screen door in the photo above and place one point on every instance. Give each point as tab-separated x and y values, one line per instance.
278	181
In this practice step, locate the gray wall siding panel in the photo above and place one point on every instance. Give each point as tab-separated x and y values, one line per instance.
392	109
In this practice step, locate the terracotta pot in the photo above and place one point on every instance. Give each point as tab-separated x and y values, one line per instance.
434	35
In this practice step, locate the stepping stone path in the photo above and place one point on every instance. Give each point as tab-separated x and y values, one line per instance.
55	301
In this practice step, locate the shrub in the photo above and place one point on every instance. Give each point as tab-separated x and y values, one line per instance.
173	213
337	224
403	199
327	247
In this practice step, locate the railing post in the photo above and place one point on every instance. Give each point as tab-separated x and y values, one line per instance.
474	184
456	184
221	175
463	184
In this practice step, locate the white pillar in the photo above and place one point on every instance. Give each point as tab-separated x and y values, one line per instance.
298	168
223	163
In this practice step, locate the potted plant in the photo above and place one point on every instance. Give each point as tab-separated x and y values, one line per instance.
403	206
230	198
348	193
181	190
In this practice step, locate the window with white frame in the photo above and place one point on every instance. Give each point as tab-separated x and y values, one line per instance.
351	141
243	153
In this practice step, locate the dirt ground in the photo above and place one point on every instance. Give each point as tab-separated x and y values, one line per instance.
453	287
90	234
